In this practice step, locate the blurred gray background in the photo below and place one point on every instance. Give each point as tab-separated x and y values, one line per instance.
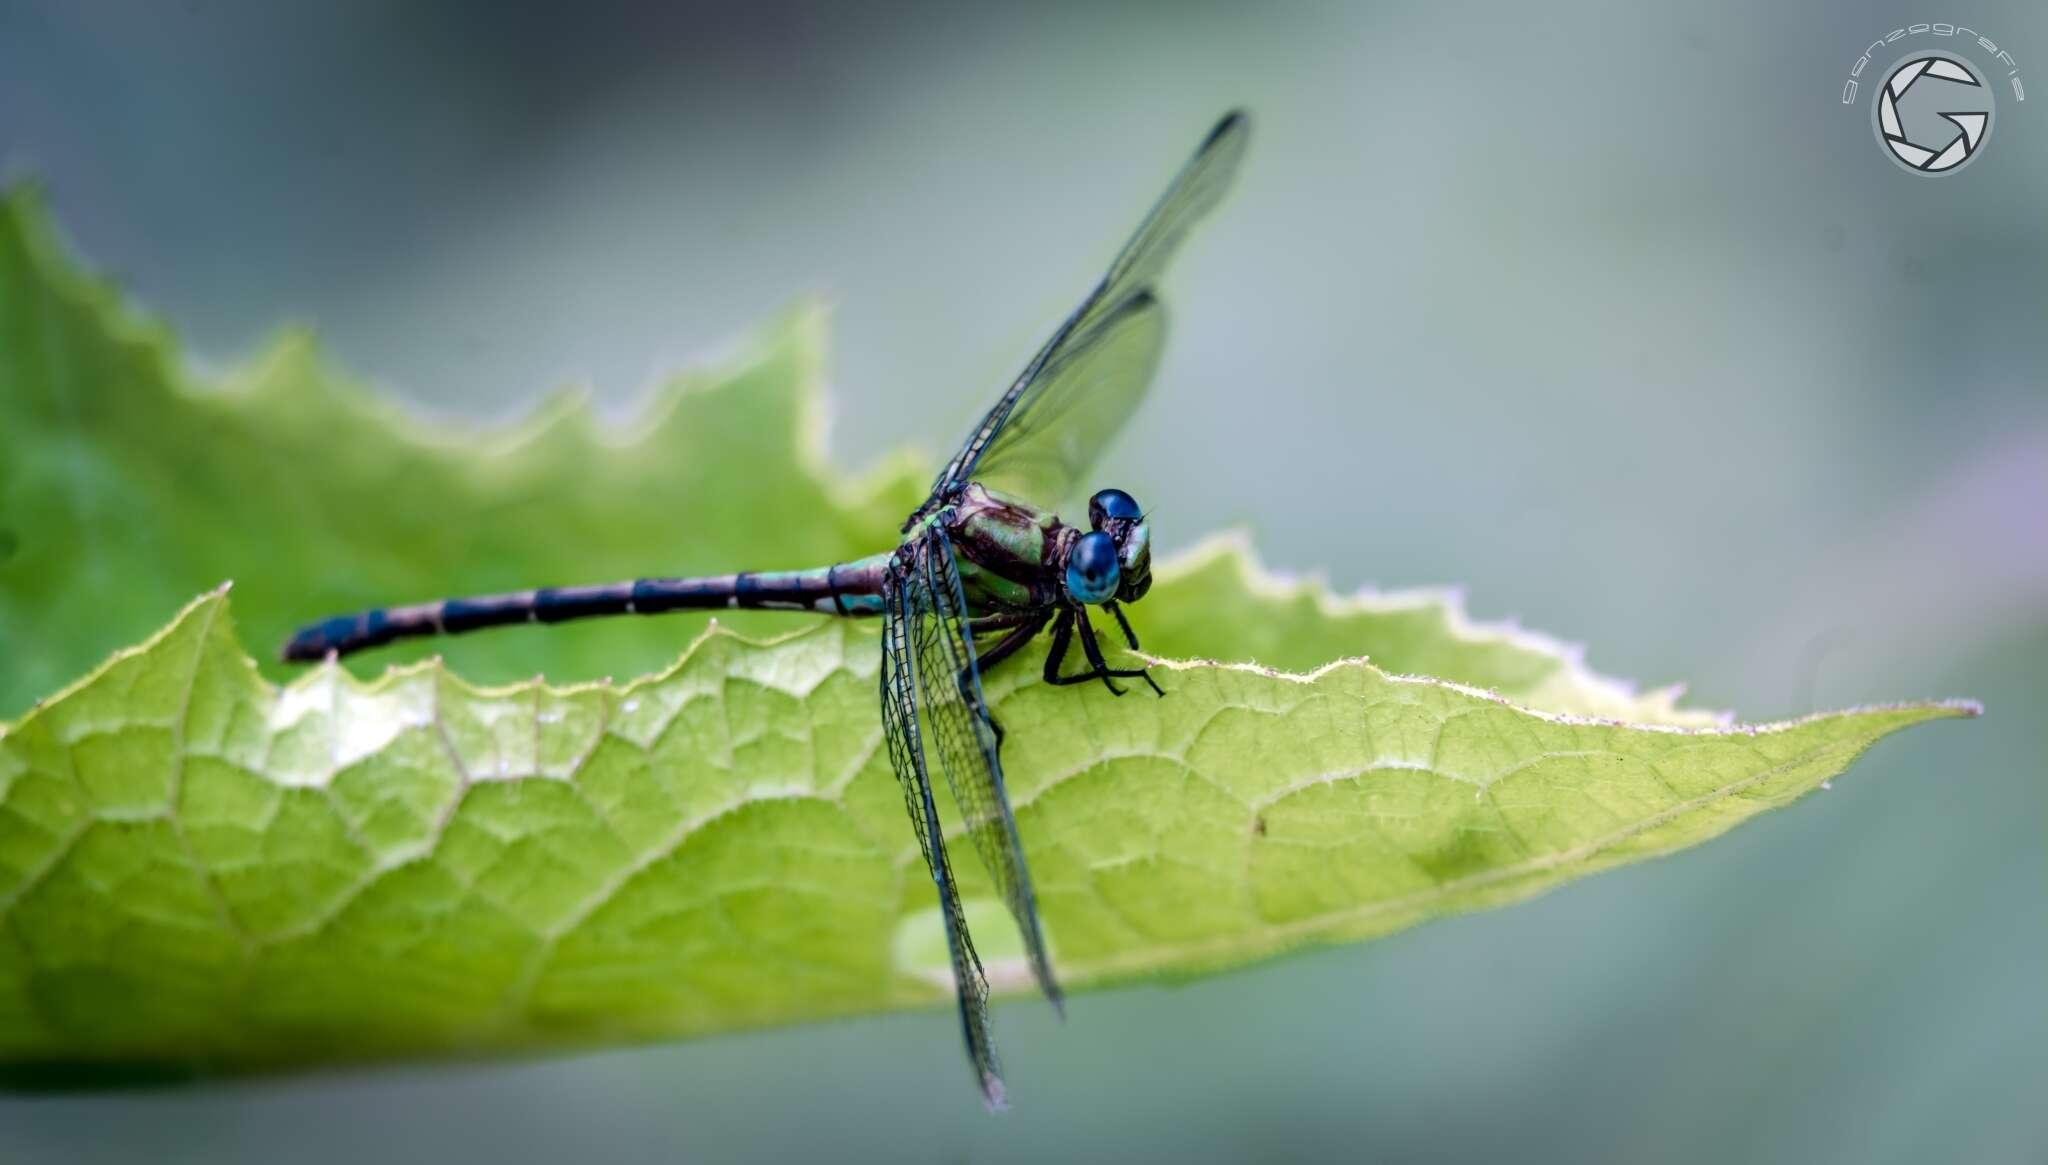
1613	312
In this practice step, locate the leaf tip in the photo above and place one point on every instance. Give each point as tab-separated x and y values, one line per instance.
1568	683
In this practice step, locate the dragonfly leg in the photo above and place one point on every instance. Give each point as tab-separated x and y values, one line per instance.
1062	638
1005	620
1131	637
1094	653
1022	631
1023	628
1098	668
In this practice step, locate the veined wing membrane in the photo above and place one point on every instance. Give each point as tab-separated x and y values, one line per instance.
1198	187
1077	405
957	728
902	727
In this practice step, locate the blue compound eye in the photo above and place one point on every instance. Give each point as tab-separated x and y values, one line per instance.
1112	503
1092	571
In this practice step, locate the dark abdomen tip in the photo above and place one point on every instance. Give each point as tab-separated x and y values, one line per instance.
336	636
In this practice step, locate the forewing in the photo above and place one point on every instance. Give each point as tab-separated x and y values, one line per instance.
1077	406
958	730
1198	187
902	727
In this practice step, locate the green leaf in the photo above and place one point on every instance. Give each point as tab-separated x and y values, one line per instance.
202	869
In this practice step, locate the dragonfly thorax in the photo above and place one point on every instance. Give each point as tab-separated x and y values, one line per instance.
1015	556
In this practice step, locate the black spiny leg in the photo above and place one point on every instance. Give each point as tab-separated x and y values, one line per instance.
1023	628
1021	633
1003	621
1131	637
1055	656
1062	638
1094	653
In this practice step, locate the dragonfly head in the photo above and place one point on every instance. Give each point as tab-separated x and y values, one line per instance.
1117	515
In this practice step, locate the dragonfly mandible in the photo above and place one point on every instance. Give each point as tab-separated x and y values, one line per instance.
985	565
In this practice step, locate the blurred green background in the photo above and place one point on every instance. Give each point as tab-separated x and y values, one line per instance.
1613	313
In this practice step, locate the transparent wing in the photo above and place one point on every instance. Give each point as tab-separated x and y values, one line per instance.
901	725
958	730
1076	406
1198	187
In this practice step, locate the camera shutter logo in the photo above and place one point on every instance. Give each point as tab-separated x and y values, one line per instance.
1933	113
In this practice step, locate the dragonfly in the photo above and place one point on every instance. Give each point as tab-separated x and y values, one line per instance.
985	566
